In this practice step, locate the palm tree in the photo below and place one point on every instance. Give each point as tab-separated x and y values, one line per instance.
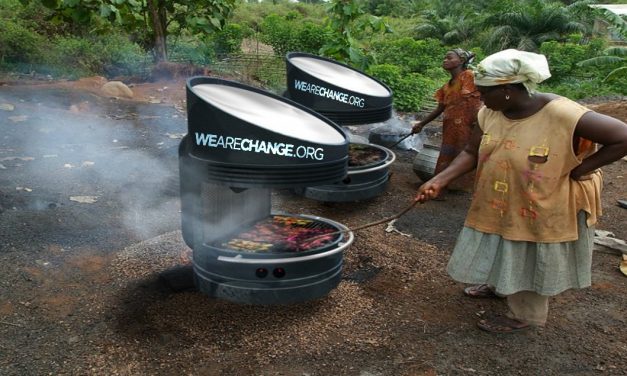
450	21
613	56
527	27
450	28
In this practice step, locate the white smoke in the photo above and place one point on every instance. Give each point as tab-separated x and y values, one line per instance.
86	150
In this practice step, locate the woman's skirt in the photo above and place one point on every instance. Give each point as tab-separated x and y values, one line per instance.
513	266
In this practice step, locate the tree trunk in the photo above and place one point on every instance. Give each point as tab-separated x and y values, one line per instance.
158	32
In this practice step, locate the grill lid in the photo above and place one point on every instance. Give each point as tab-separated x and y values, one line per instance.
339	92
268	113
248	137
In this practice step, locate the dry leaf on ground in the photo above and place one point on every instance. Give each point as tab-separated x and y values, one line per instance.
7	107
84	199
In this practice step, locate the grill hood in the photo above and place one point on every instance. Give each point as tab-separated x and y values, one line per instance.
247	137
337	91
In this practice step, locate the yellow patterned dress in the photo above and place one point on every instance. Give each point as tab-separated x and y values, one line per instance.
530	226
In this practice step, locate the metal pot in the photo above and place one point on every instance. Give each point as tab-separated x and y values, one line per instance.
425	161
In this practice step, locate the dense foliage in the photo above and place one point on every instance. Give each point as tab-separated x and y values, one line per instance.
151	20
401	42
292	33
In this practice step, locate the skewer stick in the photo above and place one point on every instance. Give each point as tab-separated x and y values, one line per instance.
401	140
384	220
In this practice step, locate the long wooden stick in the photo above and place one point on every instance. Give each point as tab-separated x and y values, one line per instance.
384	220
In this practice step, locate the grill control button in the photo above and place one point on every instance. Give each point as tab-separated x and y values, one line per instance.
279	272
261	272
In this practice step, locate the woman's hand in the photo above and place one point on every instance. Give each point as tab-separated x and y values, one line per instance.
576	175
429	190
417	127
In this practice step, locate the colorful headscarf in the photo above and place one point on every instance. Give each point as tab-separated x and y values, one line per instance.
511	67
465	56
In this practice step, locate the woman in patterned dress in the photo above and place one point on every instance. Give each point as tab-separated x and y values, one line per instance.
459	101
529	231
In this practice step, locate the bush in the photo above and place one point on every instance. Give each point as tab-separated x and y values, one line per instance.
563	59
585	88
310	37
229	39
411	91
191	50
575	82
285	35
110	55
19	45
121	57
414	56
73	57
253	14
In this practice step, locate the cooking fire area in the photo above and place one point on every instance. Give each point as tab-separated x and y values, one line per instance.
82	287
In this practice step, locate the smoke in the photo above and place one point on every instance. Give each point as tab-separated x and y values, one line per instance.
113	158
388	132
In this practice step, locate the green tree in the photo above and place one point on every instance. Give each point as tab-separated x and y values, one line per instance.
450	29
349	25
530	24
614	56
563	57
149	20
291	33
394	8
454	22
412	91
410	55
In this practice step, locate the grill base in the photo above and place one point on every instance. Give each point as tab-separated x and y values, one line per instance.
246	292
239	283
359	188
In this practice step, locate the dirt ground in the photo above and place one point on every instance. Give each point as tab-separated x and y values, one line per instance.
89	222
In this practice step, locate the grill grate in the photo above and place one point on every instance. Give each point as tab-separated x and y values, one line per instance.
360	155
278	234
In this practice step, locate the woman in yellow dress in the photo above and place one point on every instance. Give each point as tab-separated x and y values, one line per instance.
529	230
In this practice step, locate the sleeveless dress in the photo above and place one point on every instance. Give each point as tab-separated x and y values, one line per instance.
529	227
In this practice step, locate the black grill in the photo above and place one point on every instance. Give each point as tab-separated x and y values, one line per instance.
362	182
347	97
225	191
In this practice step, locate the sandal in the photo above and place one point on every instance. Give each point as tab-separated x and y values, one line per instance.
480	291
502	325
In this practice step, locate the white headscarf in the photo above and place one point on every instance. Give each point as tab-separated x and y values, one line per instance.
511	67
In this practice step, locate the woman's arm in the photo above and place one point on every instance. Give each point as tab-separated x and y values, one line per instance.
434	114
465	162
604	130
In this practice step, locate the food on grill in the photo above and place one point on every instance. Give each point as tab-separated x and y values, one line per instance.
362	155
248	245
280	233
